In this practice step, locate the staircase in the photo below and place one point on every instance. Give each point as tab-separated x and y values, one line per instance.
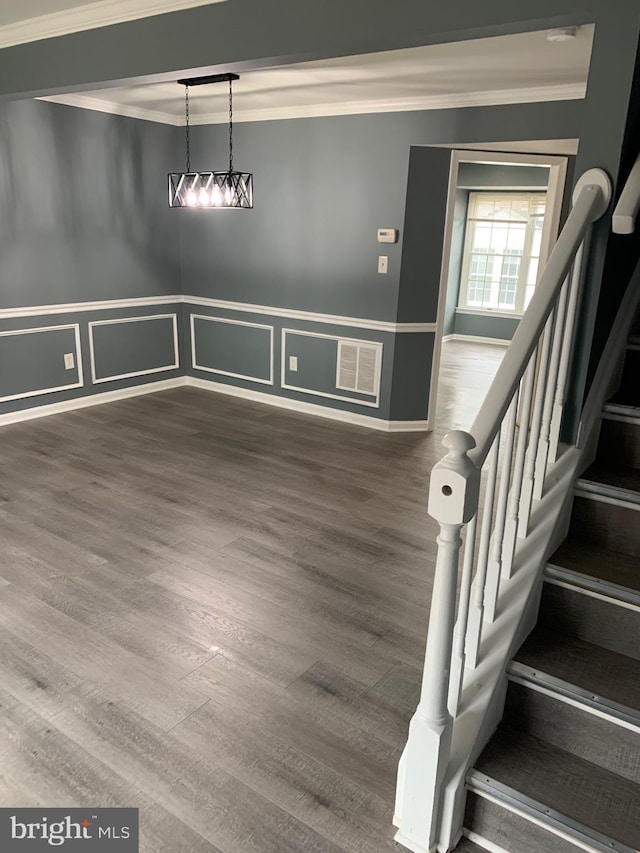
562	772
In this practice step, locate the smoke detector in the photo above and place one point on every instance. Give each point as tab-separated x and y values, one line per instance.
562	34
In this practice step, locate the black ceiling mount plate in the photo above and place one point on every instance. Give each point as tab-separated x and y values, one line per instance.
211	78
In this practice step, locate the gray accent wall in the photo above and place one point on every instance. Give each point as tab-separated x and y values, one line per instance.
411	380
96	226
32	361
85	221
485	326
237	353
323	187
32	370
239	349
128	347
85	206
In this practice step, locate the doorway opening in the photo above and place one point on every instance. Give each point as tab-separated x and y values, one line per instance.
504	213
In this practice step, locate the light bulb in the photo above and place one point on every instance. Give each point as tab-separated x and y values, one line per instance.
192	198
204	197
228	195
217	198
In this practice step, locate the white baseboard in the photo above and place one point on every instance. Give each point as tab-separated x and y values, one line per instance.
476	339
215	387
308	408
90	400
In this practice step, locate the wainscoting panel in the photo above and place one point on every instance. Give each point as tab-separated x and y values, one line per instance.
317	371
232	348
32	361
133	346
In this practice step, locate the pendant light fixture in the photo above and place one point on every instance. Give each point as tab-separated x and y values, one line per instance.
210	190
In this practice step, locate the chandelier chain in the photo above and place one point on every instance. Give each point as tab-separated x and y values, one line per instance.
186	113
230	126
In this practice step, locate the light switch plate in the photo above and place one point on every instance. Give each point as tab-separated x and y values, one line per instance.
293	362
383	264
69	361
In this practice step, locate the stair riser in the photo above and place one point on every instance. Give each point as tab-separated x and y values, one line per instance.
606	525
574	730
591	619
619	443
511	831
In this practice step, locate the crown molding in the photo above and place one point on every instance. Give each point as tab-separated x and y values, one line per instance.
495	97
85	102
102	13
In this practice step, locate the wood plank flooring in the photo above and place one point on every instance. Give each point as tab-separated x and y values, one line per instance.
216	611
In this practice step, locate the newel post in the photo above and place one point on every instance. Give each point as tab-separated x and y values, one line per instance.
453	501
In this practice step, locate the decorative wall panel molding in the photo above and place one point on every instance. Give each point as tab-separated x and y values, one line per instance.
32	360
257	344
358	397
130	348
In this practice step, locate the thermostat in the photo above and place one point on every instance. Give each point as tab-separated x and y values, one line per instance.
387	235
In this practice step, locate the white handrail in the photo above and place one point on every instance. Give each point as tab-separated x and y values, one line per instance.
587	209
530	384
628	206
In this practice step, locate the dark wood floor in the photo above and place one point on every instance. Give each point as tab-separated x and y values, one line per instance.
216	611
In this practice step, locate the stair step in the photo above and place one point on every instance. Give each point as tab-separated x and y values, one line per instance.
618	482
607	523
620	409
566	607
604	590
578	727
607	680
619	442
610	568
501	826
587	801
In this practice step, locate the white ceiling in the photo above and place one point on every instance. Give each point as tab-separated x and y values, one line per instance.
507	69
29	20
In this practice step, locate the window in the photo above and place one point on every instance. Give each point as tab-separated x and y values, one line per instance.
502	250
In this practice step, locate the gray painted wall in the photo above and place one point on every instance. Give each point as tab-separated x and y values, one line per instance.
145	346
485	326
322	188
85	208
240	349
40	354
248	354
96	226
85	219
35	362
